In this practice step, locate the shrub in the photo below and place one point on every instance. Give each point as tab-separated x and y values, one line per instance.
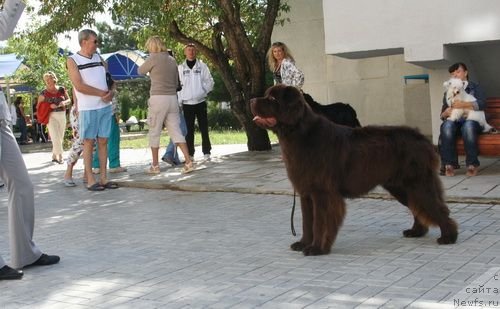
139	113
125	107
221	119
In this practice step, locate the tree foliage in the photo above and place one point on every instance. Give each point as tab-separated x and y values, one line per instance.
232	35
38	60
112	39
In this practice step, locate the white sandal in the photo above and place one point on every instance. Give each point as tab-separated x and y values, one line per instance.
188	168
153	169
69	182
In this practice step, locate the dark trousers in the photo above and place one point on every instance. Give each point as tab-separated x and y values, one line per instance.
41	136
470	131
192	112
21	124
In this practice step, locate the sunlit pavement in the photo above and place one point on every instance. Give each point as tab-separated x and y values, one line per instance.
220	239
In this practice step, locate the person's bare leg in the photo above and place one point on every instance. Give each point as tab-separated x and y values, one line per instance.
185	152
88	149
102	152
69	171
154	154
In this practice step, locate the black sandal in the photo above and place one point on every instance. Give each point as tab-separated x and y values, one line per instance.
110	185
96	187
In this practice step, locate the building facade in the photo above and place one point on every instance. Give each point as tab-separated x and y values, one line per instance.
389	58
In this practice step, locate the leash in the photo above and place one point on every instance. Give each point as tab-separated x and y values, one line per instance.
293	211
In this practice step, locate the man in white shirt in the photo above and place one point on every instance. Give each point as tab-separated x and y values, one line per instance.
87	72
196	82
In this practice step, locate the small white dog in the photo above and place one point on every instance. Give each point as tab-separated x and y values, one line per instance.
455	90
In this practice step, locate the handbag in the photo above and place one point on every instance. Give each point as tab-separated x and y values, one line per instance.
44	109
109	80
43	112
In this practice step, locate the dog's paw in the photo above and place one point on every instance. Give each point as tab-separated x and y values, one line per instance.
313	250
447	240
414	233
297	246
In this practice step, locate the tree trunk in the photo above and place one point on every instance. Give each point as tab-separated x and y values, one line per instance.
242	68
257	138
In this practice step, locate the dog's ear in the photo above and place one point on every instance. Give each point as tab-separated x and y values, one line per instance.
465	83
290	93
446	84
292	105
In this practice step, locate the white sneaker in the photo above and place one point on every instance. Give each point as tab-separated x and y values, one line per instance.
206	157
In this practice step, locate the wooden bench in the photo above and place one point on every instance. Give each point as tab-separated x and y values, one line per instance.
489	144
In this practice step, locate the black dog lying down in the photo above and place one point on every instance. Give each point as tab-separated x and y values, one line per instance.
339	113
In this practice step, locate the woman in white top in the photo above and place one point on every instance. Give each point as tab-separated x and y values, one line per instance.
282	64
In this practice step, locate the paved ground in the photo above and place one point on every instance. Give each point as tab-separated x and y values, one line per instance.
223	243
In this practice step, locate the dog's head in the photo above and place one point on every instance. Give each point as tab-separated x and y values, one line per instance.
454	87
280	105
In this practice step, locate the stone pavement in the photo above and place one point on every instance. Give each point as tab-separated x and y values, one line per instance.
212	242
233	169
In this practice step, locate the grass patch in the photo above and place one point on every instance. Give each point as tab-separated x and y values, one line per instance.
216	138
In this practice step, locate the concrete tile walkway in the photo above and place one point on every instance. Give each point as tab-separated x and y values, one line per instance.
215	243
234	169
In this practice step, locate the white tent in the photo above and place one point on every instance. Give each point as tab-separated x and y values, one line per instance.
9	64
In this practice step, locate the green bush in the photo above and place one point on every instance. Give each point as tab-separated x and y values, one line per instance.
125	107
68	138
218	119
139	113
221	119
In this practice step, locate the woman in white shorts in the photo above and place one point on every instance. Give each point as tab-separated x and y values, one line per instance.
163	108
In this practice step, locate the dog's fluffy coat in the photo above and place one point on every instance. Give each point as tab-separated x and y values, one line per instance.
455	90
339	113
327	163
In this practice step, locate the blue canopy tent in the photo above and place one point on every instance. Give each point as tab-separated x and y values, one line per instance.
123	64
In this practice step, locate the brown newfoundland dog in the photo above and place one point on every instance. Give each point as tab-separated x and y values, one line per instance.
327	163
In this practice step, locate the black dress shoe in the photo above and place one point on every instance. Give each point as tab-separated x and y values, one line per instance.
7	273
45	260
